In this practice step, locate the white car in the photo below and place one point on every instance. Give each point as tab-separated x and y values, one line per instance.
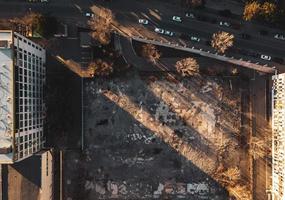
194	38
143	21
88	14
177	19
159	30
227	24
279	36
190	15
169	33
265	57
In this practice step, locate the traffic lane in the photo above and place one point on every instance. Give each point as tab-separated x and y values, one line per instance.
142	7
194	28
204	42
258	46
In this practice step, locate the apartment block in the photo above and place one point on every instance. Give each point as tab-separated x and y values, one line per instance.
22	78
278	137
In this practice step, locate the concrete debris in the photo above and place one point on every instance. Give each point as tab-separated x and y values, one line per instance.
100	189
113	188
123	189
159	190
89	185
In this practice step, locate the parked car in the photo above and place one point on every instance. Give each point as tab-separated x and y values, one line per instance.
190	15
265	57
245	36
143	21
194	38
159	30
279	36
222	23
177	18
169	33
89	14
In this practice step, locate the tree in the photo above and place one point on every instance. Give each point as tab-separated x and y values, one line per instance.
269	11
101	26
251	10
100	68
187	67
221	41
230	177
150	52
192	3
31	23
240	192
257	148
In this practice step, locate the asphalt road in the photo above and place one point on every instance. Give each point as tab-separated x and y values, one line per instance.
158	14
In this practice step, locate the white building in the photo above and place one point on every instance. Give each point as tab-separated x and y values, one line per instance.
278	140
22	76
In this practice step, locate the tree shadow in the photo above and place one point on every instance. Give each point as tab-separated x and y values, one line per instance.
122	150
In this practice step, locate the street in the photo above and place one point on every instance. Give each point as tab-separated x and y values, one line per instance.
159	15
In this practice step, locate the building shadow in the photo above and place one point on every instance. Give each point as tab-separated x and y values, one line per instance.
123	150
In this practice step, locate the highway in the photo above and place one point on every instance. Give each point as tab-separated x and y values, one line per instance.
159	15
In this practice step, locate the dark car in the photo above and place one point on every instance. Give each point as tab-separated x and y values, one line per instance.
263	32
202	18
245	36
278	60
225	13
184	36
208	43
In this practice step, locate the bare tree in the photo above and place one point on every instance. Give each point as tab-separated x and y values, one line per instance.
251	10
269	10
234	71
195	3
101	26
221	41
257	148
192	3
150	52
240	192
100	68
230	177
187	67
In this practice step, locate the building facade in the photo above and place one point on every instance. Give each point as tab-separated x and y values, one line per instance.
278	137
22	78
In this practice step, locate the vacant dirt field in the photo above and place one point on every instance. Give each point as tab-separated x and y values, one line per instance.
152	136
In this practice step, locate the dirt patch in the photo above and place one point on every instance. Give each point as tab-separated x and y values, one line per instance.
148	137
